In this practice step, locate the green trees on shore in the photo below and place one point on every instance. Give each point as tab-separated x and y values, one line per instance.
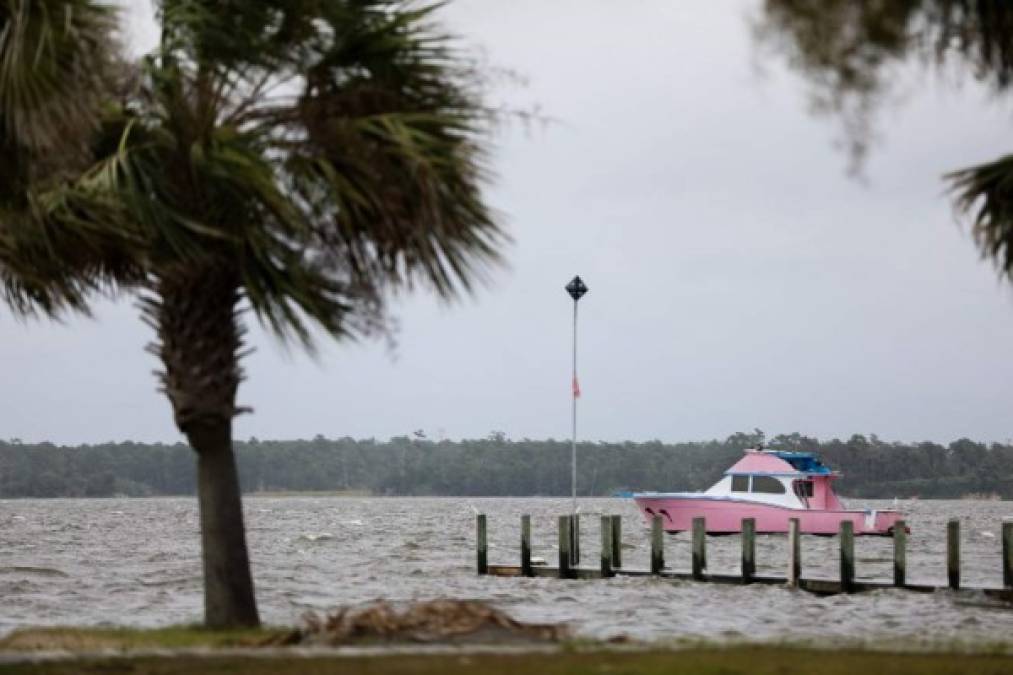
496	466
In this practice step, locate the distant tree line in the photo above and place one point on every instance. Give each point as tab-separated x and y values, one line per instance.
497	466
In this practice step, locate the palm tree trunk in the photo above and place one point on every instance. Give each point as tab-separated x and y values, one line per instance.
229	599
194	310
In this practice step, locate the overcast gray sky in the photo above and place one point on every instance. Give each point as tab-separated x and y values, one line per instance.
738	278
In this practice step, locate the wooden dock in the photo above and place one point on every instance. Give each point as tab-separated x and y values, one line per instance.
610	563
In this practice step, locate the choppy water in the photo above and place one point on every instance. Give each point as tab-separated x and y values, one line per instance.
135	561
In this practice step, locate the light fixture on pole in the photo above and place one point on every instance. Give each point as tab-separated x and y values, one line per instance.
576	288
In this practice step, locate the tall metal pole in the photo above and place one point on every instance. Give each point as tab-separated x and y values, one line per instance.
573	445
576	288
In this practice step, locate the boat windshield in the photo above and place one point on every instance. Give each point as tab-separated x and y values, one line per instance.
803	488
767	484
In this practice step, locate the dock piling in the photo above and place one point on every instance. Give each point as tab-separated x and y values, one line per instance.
794	552
953	553
748	549
575	545
899	553
481	544
606	546
1007	554
565	540
526	546
699	547
610	548
657	545
617	541
847	535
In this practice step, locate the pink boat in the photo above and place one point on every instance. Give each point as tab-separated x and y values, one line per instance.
771	487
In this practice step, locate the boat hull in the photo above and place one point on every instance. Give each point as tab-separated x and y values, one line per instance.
724	516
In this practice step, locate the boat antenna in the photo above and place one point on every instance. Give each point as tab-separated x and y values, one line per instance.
576	288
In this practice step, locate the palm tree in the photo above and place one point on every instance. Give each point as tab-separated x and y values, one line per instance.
58	61
850	53
299	159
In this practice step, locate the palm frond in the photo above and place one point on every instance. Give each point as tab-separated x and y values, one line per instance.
326	151
56	64
32	277
391	136
852	53
54	56
986	193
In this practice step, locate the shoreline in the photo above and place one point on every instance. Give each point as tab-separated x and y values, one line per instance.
565	659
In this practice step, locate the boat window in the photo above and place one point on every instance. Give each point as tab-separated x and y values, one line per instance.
803	488
767	484
740	483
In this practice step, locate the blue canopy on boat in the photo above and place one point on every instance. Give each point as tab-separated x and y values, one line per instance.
805	462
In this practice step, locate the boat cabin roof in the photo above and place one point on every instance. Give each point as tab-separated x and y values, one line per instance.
779	462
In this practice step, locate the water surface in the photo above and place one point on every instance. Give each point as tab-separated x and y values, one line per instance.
136	561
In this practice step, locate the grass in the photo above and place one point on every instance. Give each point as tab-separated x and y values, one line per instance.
125	639
571	659
708	661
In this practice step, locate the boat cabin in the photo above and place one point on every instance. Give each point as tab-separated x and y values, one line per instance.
792	479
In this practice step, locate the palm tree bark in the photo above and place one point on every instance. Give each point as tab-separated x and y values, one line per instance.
229	599
194	310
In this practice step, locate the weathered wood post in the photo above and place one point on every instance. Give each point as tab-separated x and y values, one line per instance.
847	535
526	546
481	544
1007	554
617	541
953	553
794	552
575	546
565	540
606	546
899	553
748	549
657	545
699	547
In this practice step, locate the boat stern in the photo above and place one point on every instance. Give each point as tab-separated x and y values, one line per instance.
881	522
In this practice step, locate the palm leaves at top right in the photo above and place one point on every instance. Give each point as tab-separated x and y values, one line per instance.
986	192
852	53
